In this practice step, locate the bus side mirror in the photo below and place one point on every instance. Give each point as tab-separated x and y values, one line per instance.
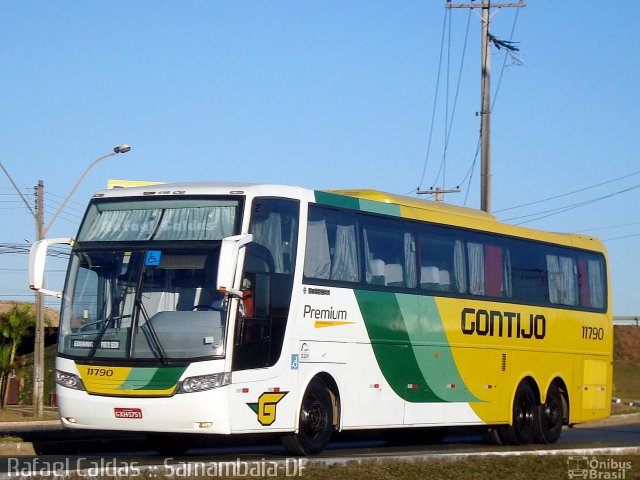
38	262
229	252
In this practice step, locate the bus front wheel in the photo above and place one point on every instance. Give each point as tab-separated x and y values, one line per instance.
315	422
524	417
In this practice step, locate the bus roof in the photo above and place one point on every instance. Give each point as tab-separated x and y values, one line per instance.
411	207
440	207
468	217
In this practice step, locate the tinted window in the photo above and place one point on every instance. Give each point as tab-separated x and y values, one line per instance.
390	253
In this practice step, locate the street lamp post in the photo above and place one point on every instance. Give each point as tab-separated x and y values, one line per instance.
38	352
41	230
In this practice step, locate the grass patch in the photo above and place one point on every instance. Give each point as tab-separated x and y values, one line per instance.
25	414
508	468
513	468
626	381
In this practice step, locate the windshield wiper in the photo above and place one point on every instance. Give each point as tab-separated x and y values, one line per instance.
115	307
152	334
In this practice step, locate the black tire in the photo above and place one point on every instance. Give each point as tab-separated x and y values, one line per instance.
169	445
550	417
524	418
414	436
315	423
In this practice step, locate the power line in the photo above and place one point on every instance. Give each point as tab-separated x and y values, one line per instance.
12	295
81	205
449	127
67	210
22	197
493	102
24	249
585	230
621	237
556	211
435	101
569	193
71	217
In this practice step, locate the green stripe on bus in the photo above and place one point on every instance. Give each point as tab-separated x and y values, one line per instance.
333	200
379	207
345	201
152	378
391	346
411	347
165	377
431	348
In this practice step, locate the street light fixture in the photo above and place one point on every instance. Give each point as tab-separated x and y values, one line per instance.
124	148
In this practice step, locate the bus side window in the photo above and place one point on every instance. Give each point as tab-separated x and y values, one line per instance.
591	282
332	246
390	254
489	269
563	281
441	260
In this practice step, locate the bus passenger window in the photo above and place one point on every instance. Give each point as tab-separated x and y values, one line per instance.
390	254
489	270
562	277
332	247
591	282
442	262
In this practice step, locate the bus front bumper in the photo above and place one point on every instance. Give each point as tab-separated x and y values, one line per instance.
201	412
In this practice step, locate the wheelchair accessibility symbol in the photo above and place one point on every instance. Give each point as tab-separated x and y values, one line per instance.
153	258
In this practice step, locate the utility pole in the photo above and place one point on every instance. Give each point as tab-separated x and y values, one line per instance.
38	350
438	192
485	109
485	113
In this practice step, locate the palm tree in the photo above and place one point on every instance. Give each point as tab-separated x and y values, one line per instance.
14	325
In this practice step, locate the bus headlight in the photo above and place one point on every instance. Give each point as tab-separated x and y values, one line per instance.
204	382
69	380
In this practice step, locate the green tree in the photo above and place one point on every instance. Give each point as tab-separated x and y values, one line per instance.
14	325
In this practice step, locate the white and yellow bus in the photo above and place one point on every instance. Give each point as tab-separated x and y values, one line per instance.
231	308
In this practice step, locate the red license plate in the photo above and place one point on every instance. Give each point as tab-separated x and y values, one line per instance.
127	412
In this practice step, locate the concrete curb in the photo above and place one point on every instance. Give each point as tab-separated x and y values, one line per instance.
459	456
613	420
15	449
31	425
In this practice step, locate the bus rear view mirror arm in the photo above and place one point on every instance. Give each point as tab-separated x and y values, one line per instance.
229	252
38	262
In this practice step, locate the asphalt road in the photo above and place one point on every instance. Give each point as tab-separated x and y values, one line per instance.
94	450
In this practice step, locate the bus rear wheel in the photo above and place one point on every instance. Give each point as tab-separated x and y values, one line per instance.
524	417
550	417
315	423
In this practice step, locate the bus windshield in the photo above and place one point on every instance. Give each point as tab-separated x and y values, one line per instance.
142	282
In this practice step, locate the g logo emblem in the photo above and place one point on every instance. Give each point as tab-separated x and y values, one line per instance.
266	407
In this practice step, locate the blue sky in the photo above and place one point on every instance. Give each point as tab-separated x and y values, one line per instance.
323	94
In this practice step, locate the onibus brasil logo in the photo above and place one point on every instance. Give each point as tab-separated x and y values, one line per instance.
265	408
